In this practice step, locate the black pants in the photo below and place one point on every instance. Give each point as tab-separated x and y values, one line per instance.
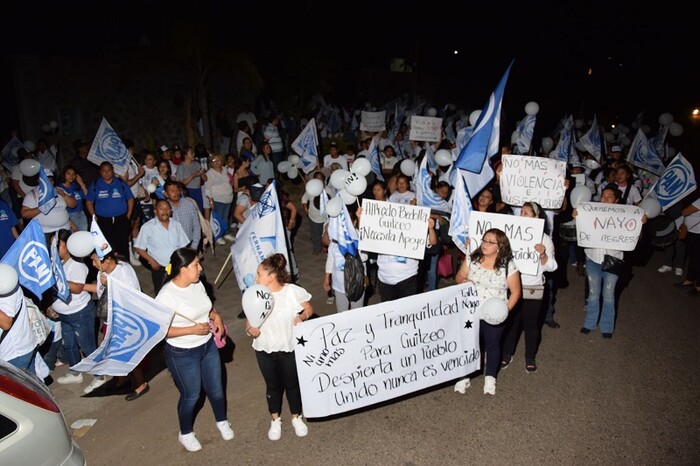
158	277
402	289
117	231
280	373
526	316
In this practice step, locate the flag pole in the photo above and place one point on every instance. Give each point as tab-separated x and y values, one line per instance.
222	268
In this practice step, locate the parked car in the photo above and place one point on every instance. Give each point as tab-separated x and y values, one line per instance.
32	427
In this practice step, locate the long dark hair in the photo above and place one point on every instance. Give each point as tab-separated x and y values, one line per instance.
180	259
505	253
276	265
539	213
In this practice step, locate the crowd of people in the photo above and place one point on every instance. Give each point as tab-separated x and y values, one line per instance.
156	214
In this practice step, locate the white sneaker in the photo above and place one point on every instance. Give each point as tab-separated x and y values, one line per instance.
299	427
189	441
462	386
489	385
229	237
664	269
70	378
96	382
679	271
221	242
225	429
275	432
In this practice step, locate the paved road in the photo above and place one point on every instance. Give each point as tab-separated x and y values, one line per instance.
630	400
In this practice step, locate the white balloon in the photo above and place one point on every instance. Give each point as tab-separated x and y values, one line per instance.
284	166
547	144
257	302
625	141
624	129
591	164
361	166
615	131
531	108
494	311
355	184
29	146
514	135
676	129
608	136
651	206
443	157
294	159
578	123
45	128
8	279
314	187
334	206
80	244
408	167
29	167
473	116
293	172
346	197
53	124
151	188
338	178
579	194
665	119
432	111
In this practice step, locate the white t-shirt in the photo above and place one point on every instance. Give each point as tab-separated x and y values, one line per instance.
394	269
20	340
276	332
56	219
340	160
76	272
123	272
191	301
314	214
402	198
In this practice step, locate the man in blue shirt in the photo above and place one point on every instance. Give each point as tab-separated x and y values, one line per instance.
8	228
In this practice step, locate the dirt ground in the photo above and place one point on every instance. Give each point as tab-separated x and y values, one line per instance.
629	400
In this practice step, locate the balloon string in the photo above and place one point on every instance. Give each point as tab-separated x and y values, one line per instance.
185	317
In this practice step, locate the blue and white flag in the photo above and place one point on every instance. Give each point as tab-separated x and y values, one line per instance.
46	193
30	257
323	201
475	182
62	289
261	234
562	151
526	129
592	140
219	226
643	155
9	156
430	157
676	182
306	145
463	136
484	141
108	147
657	142
99	240
425	195
461	211
373	156
136	323
342	231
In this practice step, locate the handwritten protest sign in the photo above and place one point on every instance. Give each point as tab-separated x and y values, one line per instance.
609	226
394	229
355	359
373	121
522	232
425	128
525	178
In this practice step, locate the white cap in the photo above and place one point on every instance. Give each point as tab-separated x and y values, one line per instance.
163	148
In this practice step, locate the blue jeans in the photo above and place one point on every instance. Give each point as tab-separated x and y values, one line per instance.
79	219
491	338
192	369
25	362
596	278
78	333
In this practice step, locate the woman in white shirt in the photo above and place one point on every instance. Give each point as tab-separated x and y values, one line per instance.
219	191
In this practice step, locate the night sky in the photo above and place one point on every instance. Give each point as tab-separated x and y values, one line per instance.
641	60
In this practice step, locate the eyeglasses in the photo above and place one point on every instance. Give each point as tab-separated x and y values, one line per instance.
488	242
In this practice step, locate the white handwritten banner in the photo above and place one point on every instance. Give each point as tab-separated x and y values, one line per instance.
424	128
373	121
539	179
364	356
608	226
394	229
523	234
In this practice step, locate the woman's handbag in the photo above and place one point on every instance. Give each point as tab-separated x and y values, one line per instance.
444	265
682	231
103	306
38	322
533	291
612	264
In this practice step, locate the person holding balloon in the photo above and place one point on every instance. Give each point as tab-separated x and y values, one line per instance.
311	202
17	344
283	305
191	354
495	275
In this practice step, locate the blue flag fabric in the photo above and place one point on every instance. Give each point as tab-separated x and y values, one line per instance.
562	151
592	140
136	323
342	231
46	193
30	257
374	159
461	211
657	142
306	145
526	129
62	289
676	182
484	141
219	227
425	196
643	155
108	147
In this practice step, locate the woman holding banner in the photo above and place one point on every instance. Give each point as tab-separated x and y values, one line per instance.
526	315
494	274
274	342
190	352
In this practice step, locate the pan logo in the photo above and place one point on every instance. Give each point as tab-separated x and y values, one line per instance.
111	148
676	180
267	204
129	333
32	264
